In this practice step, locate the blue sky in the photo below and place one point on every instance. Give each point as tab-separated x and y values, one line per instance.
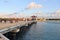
11	6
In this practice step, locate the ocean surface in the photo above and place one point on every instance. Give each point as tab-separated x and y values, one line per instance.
48	30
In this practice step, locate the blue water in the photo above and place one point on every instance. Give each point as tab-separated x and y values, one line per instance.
49	30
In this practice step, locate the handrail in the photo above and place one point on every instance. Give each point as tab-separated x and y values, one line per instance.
3	37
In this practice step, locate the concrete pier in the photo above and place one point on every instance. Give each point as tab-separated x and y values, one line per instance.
12	27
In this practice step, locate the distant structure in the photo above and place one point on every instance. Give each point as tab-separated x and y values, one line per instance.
33	17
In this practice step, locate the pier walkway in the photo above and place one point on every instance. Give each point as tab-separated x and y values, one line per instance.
7	27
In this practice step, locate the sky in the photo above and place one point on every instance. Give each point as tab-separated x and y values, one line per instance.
29	7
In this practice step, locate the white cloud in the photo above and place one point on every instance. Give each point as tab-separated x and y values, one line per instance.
58	11
12	15
21	15
2	14
34	5
7	15
56	14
